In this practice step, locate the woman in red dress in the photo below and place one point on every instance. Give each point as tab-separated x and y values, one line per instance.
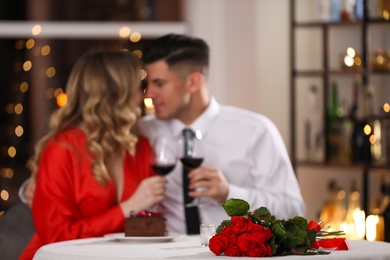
92	169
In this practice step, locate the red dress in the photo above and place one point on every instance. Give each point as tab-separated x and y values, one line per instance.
69	203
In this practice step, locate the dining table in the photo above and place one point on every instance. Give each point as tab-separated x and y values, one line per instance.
115	246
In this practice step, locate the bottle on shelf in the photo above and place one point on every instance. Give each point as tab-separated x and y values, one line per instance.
359	9
335	131
335	10
347	12
360	139
324	10
333	212
313	126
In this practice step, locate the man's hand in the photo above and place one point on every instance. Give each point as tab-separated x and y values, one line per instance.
207	182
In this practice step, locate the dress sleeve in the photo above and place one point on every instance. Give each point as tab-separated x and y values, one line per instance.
56	208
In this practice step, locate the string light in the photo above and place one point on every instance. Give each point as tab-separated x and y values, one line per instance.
7	173
27	65
18	108
4	195
135	37
124	32
11	152
30	44
19	131
50	72
23	87
36	29
45	50
386	107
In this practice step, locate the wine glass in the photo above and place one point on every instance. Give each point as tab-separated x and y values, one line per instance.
191	156
163	159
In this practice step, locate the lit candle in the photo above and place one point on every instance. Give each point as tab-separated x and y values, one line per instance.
374	228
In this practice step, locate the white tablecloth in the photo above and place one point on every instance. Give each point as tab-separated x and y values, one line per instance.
183	247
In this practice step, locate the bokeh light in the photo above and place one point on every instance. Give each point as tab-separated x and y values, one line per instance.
36	30
135	37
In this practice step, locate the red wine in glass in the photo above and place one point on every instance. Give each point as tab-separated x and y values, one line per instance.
191	162
163	159
163	169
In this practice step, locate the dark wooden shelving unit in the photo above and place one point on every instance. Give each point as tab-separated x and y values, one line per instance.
324	74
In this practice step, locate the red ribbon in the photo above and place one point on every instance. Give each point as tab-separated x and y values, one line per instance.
337	243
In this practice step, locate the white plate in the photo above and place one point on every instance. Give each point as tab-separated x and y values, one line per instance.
121	237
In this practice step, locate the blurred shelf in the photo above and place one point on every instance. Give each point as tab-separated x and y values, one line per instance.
320	73
87	30
350	166
315	24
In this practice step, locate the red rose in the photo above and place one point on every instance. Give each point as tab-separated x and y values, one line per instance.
259	250
244	242
233	250
229	233
241	224
269	250
218	244
315	244
313	225
260	234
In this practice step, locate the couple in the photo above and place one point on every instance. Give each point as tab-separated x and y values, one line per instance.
93	166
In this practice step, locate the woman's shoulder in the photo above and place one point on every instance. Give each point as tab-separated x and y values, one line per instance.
69	138
70	135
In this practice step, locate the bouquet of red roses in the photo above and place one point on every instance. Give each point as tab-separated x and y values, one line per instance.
258	234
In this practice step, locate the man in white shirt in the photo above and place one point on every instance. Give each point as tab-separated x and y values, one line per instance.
244	154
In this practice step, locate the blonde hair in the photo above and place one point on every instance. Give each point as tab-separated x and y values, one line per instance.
101	90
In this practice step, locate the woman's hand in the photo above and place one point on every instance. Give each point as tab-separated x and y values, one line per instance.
29	191
150	192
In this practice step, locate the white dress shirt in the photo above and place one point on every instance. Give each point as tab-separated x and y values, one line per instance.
248	149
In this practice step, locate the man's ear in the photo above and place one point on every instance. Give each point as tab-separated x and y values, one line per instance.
194	81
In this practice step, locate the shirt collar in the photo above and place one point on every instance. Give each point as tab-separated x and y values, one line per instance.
202	123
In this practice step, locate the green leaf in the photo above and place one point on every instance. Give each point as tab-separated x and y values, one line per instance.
311	236
323	252
278	230
263	214
299	222
236	207
223	224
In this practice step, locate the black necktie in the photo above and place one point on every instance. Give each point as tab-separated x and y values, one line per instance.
191	212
